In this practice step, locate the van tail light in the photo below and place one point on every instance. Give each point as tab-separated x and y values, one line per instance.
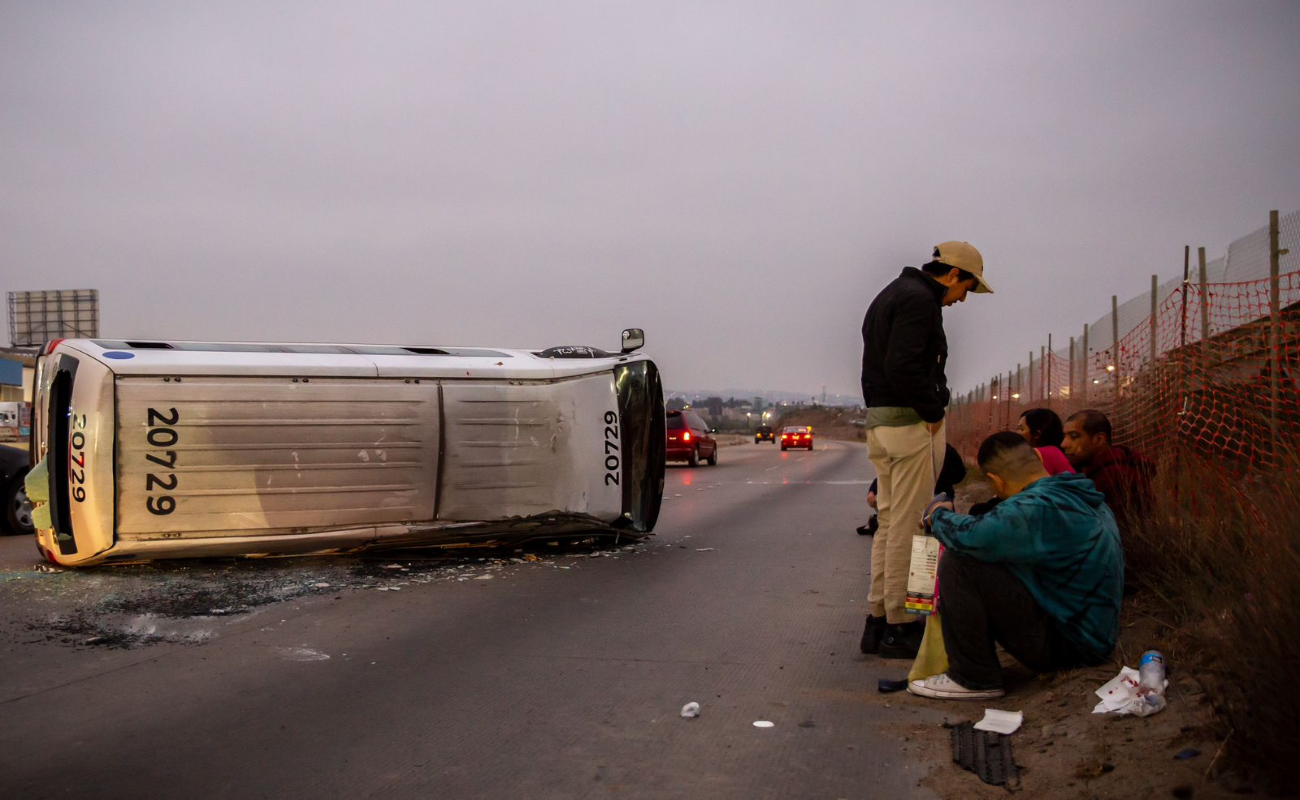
686	437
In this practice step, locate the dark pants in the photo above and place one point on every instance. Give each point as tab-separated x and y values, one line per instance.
982	604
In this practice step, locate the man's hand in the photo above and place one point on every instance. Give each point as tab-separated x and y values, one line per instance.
943	500
871	499
934	427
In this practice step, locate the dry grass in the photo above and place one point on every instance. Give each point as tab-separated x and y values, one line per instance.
1222	555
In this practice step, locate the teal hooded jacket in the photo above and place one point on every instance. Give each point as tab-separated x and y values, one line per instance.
1060	539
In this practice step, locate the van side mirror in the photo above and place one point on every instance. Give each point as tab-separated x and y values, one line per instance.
633	339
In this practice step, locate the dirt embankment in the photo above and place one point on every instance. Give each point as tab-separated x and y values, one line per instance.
1064	750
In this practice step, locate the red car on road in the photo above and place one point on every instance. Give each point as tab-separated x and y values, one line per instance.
796	436
690	439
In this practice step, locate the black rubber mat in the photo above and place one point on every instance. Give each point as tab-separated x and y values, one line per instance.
987	754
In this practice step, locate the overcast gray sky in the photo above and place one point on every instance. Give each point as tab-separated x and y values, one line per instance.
739	179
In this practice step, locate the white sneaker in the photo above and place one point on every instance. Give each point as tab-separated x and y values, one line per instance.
941	687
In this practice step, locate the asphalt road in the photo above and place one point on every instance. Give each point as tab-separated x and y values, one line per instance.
560	677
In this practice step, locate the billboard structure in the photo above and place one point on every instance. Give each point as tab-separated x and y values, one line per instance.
37	317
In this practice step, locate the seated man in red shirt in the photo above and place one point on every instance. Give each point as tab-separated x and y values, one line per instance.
1123	476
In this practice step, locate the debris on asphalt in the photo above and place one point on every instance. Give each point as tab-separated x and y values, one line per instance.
691	710
302	654
188	602
1004	722
762	723
1186	753
704	549
987	754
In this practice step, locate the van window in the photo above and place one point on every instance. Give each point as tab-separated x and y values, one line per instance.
676	422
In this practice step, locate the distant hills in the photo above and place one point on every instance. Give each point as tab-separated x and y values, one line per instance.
769	397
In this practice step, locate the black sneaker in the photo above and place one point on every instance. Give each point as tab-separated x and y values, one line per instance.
870	528
872	634
902	641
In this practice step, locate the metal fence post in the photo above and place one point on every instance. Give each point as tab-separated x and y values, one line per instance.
1011	384
1072	386
1205	312
1031	375
1155	287
1114	329
1083	369
1187	262
1051	357
1042	372
993	402
1275	320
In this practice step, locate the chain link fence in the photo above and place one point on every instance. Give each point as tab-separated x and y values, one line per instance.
1210	360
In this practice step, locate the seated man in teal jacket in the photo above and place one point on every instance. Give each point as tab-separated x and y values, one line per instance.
1040	574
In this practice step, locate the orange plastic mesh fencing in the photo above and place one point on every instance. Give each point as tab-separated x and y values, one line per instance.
1214	372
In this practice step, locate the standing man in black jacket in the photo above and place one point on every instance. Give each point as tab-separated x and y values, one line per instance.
904	351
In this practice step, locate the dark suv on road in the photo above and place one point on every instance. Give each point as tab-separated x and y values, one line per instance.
764	434
17	517
690	438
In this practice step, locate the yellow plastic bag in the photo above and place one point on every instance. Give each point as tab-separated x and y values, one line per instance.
932	658
37	484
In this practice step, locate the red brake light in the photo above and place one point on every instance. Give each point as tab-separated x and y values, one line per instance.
686	437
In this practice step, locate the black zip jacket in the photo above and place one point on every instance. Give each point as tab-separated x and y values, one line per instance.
904	349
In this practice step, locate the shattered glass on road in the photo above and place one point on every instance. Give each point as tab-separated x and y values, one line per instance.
190	602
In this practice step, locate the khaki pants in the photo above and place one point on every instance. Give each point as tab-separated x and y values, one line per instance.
907	461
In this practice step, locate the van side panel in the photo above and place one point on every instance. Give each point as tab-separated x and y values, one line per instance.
201	456
517	449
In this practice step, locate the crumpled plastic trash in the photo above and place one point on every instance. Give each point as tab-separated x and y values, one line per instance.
691	710
1122	695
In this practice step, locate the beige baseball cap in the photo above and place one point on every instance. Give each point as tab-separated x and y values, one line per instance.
966	258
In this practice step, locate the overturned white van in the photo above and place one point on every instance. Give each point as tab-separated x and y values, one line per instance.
170	449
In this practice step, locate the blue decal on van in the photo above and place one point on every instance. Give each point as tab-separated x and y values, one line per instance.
118	354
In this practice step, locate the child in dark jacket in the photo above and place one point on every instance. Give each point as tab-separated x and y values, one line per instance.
1041	574
951	473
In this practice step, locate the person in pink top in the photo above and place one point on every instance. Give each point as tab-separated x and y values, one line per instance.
1044	432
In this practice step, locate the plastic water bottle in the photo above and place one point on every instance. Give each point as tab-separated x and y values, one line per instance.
1151	677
